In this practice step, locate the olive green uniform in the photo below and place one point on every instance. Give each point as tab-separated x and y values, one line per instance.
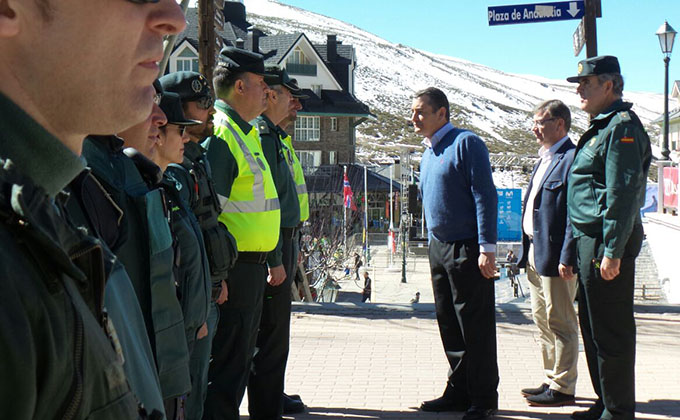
144	246
57	362
267	375
605	192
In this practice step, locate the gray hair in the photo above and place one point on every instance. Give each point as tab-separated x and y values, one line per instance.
617	82
557	109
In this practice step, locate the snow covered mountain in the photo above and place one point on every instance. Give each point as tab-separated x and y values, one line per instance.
495	104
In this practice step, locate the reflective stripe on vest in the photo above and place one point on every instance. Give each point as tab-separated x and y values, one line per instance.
252	211
298	175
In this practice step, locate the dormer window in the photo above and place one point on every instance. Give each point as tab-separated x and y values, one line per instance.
299	64
187	61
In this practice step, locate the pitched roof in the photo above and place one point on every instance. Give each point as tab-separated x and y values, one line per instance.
328	178
333	102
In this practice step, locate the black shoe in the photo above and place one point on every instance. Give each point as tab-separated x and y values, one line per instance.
535	391
292	396
444	403
550	398
593	413
292	406
479	413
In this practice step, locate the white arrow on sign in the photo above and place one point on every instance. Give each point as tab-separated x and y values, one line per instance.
573	9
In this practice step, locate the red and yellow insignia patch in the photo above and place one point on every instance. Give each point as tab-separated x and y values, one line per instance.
627	140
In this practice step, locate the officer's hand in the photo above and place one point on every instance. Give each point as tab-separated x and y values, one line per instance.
202	332
610	268
487	264
224	294
276	275
566	271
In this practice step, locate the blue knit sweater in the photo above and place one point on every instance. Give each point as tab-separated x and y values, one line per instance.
459	197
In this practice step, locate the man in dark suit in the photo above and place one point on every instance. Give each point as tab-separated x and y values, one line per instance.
549	255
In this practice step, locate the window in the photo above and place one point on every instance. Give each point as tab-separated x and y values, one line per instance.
332	157
187	61
334	124
307	129
317	90
309	158
298	63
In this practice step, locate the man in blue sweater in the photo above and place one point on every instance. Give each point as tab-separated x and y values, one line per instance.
460	205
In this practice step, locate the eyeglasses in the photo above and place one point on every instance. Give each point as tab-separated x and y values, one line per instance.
180	128
205	102
157	98
543	122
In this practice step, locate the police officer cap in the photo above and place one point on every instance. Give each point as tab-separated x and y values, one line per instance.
295	90
601	64
240	60
189	85
171	105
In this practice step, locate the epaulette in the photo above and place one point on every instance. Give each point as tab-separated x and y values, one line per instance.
262	127
625	116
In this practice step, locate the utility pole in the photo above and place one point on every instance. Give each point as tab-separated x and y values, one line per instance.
211	17
593	11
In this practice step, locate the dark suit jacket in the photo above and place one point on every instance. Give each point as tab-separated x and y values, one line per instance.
553	239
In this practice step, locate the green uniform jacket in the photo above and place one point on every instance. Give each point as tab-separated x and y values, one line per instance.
145	249
57	361
192	272
90	207
608	177
198	191
285	185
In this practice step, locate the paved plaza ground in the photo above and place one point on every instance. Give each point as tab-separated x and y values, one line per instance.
380	360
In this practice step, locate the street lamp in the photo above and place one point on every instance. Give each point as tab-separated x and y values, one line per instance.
666	36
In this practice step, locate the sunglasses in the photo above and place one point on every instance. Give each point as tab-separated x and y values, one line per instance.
157	98
180	128
205	102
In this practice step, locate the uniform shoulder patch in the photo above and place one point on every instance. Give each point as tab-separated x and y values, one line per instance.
625	116
262	127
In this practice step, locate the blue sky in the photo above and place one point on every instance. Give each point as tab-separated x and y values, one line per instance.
459	28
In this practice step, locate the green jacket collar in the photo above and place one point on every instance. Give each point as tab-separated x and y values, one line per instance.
242	124
39	155
193	151
616	106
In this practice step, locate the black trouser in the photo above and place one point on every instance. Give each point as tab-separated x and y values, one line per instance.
608	324
234	342
464	301
267	376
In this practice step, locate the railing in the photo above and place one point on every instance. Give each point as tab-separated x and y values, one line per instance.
301	69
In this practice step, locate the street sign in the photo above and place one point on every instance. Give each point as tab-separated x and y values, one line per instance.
579	38
539	12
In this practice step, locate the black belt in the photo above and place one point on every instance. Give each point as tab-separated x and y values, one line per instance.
252	257
288	233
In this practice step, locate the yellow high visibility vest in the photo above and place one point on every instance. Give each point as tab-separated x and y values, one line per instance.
298	176
252	212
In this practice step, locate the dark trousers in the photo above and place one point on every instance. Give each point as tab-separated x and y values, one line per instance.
608	324
234	341
465	305
267	376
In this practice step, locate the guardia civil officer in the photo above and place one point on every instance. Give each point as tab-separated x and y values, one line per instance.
144	244
57	361
250	210
605	192
198	190
265	385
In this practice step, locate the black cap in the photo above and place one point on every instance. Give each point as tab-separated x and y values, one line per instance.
189	85
171	105
295	90
158	86
601	64
240	60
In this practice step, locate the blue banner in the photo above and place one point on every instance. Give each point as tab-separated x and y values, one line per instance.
651	199
509	214
539	12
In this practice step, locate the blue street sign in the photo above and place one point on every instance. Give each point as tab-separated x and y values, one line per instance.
539	12
509	214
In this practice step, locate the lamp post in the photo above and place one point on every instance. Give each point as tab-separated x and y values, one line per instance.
666	36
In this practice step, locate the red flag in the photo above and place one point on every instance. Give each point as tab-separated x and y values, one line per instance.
347	195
